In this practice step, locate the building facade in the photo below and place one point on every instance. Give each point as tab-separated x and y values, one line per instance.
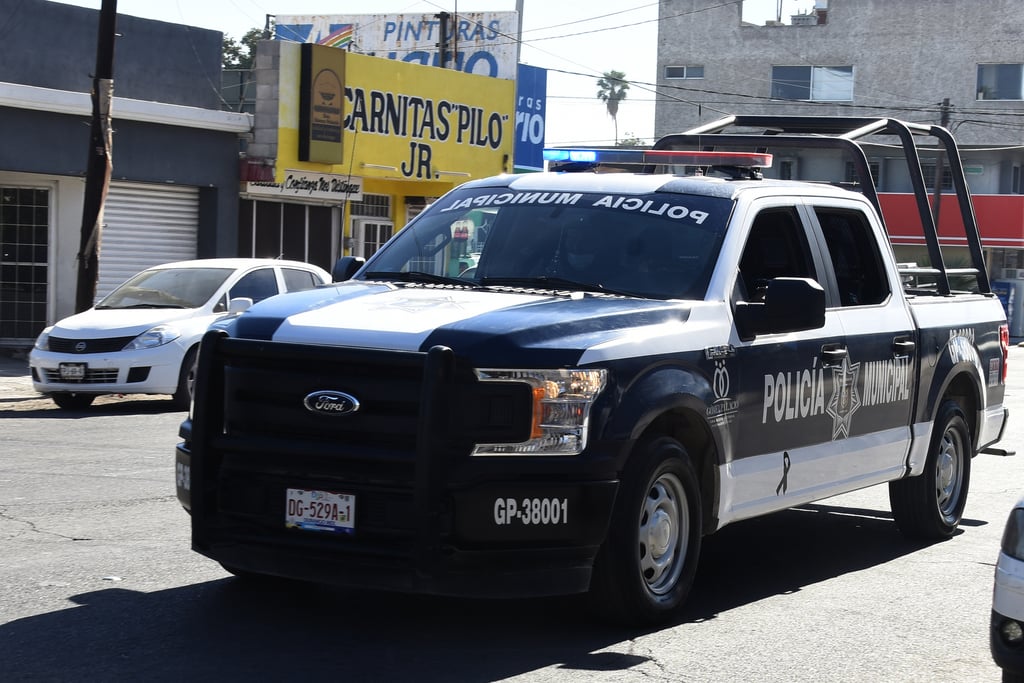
956	63
174	188
339	163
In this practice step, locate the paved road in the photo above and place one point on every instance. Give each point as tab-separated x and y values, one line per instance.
97	583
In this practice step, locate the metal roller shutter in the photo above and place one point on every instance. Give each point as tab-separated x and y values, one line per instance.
145	225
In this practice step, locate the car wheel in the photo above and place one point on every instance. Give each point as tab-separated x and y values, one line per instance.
72	401
929	507
645	568
186	379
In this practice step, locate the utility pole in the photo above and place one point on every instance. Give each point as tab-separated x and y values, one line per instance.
100	162
940	164
442	46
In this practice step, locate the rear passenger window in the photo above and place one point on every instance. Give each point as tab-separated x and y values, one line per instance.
855	258
296	280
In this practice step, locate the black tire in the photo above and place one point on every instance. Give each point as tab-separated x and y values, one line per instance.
1012	677
72	401
930	506
186	379
646	567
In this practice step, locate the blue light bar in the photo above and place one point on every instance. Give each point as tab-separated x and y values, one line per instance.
659	156
585	155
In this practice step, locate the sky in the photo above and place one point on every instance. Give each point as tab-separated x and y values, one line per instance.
576	40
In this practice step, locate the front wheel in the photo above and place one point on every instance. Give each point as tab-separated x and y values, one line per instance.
648	562
929	507
186	379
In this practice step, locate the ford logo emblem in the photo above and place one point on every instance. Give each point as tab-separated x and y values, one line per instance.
331	403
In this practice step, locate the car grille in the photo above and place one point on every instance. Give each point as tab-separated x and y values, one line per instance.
92	376
83	346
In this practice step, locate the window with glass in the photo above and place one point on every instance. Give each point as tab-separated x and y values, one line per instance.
856	261
24	261
1001	81
657	246
813	83
690	71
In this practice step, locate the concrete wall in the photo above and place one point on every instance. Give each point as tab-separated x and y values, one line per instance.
908	55
53	45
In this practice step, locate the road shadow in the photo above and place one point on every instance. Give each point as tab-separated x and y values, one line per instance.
43	407
235	630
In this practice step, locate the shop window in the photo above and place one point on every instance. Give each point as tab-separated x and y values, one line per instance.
874	167
928	171
299	232
24	263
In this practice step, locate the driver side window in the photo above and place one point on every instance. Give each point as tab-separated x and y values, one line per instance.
776	247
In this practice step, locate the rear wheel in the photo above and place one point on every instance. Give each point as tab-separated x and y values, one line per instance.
186	379
930	506
69	400
646	567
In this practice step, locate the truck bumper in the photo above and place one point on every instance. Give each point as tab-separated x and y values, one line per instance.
498	539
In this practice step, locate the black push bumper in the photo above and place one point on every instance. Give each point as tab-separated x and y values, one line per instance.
428	517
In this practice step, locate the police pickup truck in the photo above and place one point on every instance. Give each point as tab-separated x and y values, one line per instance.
635	360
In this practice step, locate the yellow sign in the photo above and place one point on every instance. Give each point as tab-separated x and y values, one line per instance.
320	105
399	121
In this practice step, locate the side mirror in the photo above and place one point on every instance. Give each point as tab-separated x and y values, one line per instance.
791	304
346	267
239	305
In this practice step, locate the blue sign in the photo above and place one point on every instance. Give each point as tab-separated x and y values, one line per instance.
531	96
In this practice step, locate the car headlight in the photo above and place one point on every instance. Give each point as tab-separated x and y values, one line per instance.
154	337
561	410
1013	535
43	340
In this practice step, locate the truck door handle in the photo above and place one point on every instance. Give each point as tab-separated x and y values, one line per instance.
902	347
833	356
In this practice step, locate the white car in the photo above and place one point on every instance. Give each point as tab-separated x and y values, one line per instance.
1006	635
143	337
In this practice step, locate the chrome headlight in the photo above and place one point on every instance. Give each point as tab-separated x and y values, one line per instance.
43	340
1013	535
154	337
561	410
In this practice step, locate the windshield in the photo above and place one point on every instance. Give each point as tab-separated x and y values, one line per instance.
658	246
167	288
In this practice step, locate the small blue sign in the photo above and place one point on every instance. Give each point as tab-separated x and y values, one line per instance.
531	97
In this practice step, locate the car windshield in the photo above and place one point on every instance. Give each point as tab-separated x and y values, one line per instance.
167	288
658	245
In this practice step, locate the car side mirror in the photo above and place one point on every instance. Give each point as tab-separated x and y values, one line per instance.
346	267
791	304
239	305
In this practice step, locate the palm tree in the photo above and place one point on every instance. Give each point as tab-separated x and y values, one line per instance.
612	87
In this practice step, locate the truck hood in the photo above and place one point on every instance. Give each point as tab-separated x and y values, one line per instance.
487	325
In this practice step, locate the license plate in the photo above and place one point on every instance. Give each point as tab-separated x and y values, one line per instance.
320	511
73	371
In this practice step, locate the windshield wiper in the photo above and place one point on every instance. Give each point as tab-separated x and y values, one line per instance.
549	282
419	276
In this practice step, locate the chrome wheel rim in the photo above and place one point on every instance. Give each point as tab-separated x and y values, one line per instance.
664	534
949	474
